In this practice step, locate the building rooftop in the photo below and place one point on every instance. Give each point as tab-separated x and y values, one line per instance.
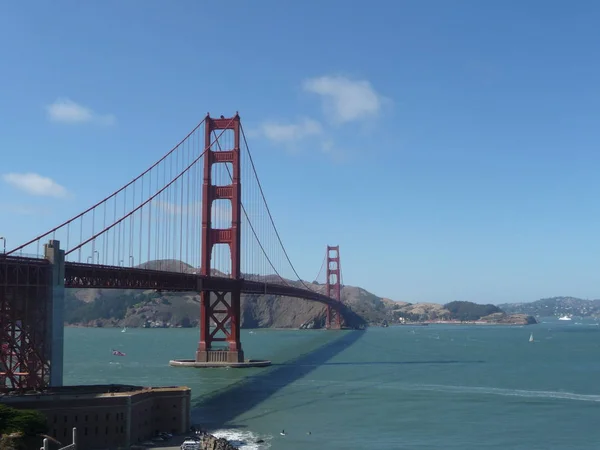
92	391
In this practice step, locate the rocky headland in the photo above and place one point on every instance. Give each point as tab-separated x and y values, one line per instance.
455	312
152	309
210	442
557	307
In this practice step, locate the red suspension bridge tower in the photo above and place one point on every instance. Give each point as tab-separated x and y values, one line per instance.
221	306
333	287
151	235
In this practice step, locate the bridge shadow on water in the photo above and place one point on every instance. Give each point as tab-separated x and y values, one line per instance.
395	363
221	407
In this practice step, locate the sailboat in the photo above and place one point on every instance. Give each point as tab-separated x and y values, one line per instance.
531	337
124	330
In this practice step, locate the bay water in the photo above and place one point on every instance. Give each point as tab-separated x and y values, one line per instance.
441	386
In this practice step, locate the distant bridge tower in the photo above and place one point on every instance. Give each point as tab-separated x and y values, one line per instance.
220	306
333	287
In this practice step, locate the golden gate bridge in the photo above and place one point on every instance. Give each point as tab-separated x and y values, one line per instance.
184	224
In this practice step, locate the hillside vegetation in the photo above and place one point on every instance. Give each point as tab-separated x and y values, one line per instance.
466	311
110	308
21	429
460	311
556	306
131	308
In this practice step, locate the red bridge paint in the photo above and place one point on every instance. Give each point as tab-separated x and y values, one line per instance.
333	288
221	306
105	242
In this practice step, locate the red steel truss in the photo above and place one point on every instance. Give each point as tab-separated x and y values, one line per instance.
31	289
24	324
333	287
80	276
221	307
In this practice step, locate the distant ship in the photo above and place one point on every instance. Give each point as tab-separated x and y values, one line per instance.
564	318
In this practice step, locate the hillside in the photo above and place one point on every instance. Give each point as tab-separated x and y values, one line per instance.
555	306
118	308
110	308
457	311
130	308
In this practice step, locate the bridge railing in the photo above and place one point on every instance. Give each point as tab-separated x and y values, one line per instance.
72	446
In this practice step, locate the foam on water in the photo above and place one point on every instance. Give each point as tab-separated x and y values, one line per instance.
384	391
481	390
244	440
508	392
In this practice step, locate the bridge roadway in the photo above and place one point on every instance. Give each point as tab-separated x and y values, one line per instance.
83	275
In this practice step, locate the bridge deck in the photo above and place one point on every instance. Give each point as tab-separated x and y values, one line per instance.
80	275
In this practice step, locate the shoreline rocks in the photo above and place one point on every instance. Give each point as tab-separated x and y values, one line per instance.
210	442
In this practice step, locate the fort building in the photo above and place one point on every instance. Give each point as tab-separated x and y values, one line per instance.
108	416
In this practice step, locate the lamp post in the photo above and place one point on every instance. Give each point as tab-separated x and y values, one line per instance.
3	239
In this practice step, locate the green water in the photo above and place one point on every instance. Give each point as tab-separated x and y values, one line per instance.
451	387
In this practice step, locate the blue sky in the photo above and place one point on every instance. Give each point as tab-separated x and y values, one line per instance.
449	148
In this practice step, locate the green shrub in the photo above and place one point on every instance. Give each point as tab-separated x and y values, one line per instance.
28	422
470	311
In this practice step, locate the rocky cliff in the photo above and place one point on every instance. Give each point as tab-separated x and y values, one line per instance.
130	308
120	308
509	319
210	442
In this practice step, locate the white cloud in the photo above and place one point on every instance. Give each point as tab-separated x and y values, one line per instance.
290	132
293	134
345	99
35	184
65	110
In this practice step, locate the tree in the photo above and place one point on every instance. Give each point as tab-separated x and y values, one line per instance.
467	311
20	427
28	422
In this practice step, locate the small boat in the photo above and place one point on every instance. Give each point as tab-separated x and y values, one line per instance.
124	330
564	318
531	337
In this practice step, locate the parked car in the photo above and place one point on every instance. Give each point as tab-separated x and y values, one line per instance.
191	444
